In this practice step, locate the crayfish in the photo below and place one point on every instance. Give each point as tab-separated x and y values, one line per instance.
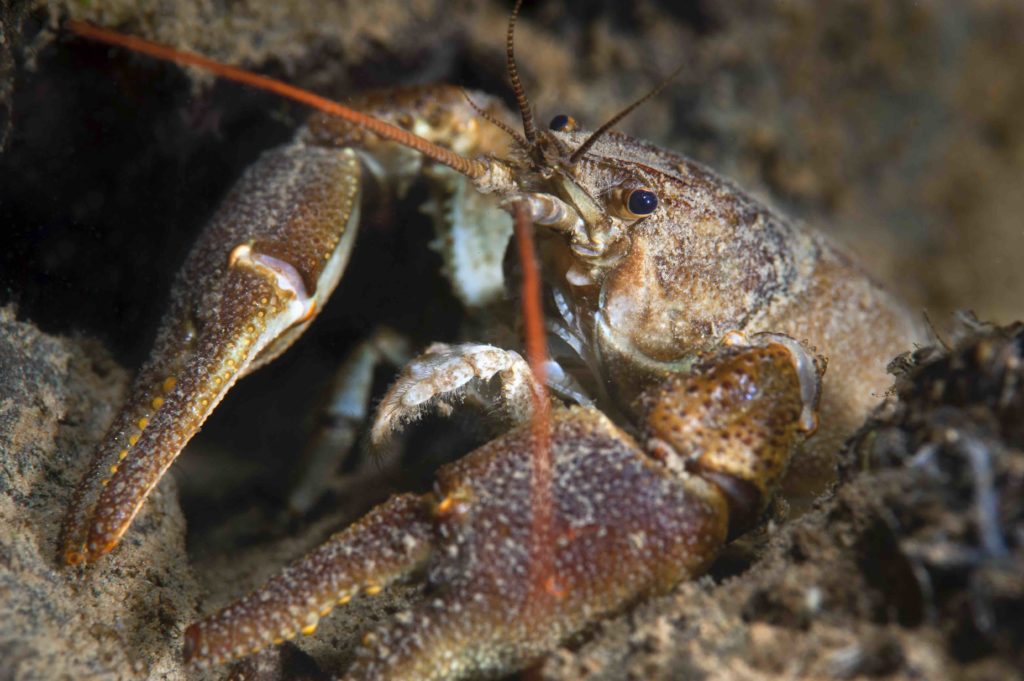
689	329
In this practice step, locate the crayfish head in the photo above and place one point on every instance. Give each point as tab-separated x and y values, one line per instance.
656	256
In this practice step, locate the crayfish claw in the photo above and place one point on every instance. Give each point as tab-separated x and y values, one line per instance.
258	274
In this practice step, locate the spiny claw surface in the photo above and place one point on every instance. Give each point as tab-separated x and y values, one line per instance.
626	521
259	272
391	541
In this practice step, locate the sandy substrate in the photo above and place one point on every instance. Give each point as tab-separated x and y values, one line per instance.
123	618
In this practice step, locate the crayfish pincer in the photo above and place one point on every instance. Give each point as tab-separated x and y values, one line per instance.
629	520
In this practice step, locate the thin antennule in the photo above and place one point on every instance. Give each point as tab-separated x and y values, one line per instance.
596	135
513	75
486	115
469	167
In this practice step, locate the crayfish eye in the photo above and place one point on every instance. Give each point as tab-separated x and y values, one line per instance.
641	202
563	123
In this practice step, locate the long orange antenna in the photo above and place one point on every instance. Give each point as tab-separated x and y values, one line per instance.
541	478
461	164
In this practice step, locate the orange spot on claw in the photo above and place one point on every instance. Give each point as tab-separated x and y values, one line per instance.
554	587
158	402
169	384
143	422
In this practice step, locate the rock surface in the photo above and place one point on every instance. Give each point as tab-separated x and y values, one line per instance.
122	618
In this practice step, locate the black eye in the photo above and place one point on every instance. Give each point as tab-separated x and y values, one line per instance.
562	123
642	202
